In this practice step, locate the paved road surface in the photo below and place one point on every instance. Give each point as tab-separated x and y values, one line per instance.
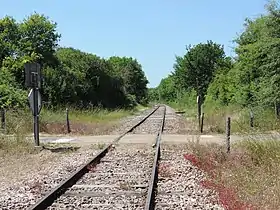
149	139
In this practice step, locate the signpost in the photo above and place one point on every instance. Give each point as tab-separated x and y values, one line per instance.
3	119
32	102
33	80
198	100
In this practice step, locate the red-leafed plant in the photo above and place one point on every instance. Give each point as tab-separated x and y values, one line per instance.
227	196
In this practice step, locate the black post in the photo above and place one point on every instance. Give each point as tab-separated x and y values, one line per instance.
276	105
3	119
228	134
36	110
199	110
251	119
202	120
67	121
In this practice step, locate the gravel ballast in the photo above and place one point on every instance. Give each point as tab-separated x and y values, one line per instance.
179	183
130	121
120	181
177	124
35	179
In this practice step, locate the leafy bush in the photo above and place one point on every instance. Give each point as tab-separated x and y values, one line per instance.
11	97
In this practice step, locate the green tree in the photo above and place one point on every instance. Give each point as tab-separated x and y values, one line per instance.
9	37
70	76
39	36
197	67
167	89
133	78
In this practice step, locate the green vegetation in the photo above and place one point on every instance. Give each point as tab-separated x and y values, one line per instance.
90	121
247	176
70	77
15	145
97	91
231	86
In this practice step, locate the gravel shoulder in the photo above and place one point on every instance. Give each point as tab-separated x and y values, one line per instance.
179	182
26	178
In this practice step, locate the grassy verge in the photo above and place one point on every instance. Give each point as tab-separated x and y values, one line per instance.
53	121
248	178
16	145
92	121
264	119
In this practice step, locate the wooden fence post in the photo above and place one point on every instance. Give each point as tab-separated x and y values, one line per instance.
202	120
67	121
3	119
198	100
277	107
251	119
228	134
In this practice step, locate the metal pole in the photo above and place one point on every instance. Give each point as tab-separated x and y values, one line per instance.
199	111
228	134
36	110
36	117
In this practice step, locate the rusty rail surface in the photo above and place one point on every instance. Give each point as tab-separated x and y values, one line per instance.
150	202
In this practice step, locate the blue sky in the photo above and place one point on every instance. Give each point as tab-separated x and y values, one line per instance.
152	31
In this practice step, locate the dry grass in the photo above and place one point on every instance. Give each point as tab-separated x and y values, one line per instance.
83	122
19	124
215	118
248	178
16	145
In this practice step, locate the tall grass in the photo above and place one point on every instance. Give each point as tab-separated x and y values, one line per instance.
215	116
252	171
21	121
187	102
15	145
88	116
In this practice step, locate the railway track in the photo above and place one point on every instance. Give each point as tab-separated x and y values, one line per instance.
118	177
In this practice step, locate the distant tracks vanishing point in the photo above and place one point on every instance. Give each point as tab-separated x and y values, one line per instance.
54	194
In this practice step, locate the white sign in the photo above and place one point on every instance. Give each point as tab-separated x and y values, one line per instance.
197	99
31	101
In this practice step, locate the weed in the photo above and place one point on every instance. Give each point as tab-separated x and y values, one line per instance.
60	147
215	116
125	186
164	170
262	152
249	174
16	145
54	120
36	187
91	167
98	146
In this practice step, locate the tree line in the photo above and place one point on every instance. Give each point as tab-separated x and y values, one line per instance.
70	76
251	78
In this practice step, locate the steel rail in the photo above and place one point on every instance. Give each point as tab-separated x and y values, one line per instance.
48	199
150	201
